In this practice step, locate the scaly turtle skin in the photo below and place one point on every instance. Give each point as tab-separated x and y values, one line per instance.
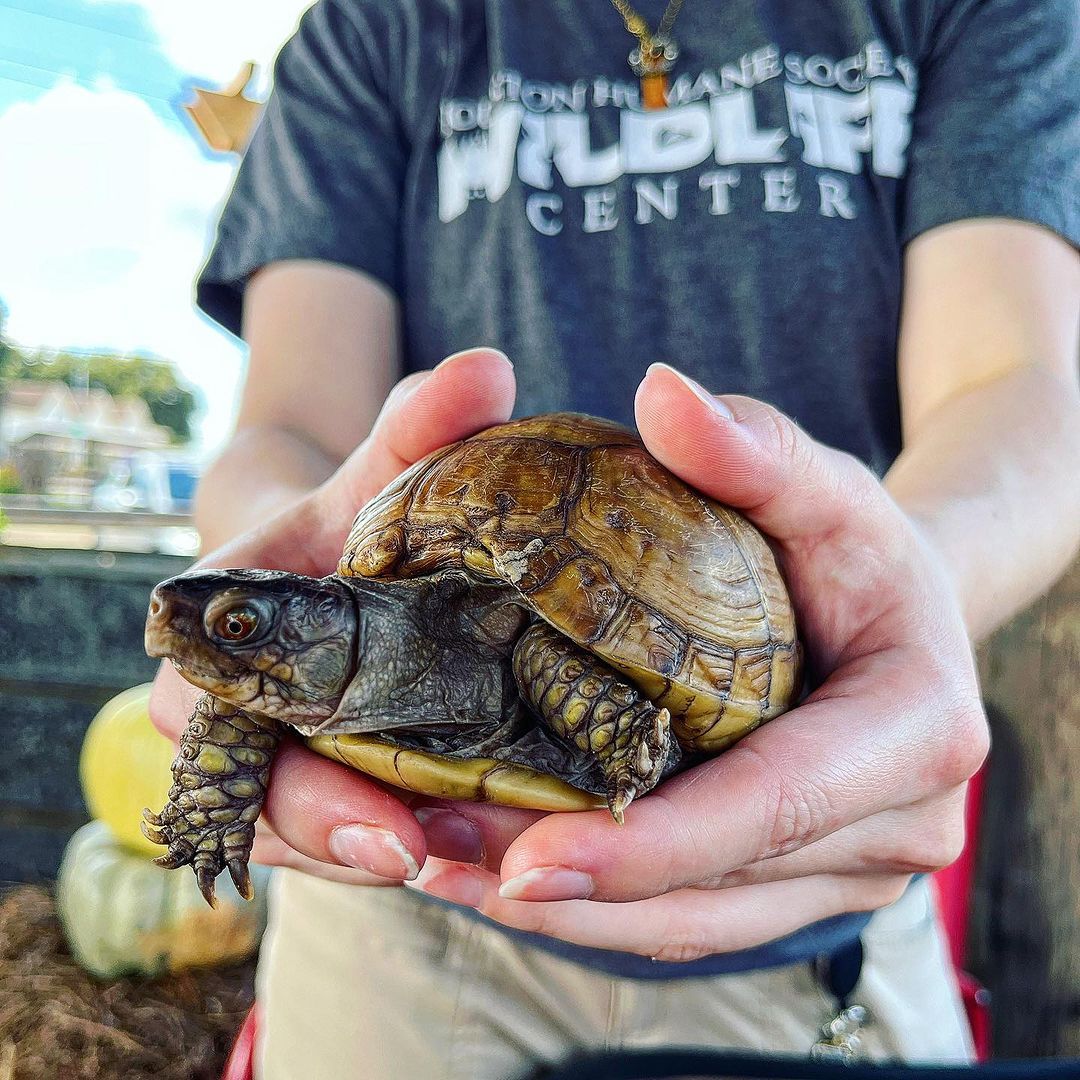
541	615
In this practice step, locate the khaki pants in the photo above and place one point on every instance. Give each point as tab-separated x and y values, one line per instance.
378	984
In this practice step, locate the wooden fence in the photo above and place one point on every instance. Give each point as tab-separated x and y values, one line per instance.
1025	936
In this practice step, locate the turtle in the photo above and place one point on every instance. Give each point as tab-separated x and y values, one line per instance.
540	615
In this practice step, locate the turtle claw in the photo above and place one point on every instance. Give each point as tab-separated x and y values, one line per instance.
206	875
637	766
173	859
621	793
619	798
152	831
241	878
209	849
219	782
209	846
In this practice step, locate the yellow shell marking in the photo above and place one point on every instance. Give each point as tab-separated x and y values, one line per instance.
478	780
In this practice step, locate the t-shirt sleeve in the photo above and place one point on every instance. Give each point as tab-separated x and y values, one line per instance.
322	176
997	117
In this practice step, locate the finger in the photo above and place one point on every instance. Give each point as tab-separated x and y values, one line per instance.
467	832
172	701
749	455
335	815
679	926
467	392
852	561
918	840
799	778
270	850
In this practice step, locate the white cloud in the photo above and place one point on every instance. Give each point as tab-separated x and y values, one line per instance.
212	38
105	208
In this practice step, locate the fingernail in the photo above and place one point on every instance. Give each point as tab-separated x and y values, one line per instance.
548	883
476	348
379	851
455	884
698	390
450	836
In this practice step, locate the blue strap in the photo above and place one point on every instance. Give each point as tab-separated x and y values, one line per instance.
839	972
679	1064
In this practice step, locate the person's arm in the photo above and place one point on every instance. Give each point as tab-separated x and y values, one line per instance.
306	262
833	806
991	409
324	354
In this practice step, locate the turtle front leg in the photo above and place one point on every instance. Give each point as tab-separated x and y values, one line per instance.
219	783
589	705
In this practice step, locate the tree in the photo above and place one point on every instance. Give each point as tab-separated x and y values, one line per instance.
4	347
171	403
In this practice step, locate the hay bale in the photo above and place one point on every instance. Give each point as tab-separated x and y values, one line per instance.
56	1020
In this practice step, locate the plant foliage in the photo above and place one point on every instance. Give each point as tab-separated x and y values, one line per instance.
170	401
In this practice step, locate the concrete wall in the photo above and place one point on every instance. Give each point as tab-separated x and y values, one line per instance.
70	637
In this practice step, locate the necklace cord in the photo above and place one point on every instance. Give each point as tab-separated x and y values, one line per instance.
637	25
655	53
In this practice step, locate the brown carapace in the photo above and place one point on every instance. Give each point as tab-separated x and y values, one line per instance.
541	615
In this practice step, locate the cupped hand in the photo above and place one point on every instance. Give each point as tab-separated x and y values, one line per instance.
827	809
325	818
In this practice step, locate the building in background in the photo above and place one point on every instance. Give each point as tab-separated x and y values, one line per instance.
84	448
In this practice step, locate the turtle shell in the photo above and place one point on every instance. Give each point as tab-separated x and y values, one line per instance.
679	593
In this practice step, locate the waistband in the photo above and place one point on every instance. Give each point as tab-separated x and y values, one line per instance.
824	938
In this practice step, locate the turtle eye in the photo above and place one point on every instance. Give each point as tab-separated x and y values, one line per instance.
237	624
234	620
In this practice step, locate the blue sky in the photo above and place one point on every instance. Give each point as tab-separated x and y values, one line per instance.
44	41
107	200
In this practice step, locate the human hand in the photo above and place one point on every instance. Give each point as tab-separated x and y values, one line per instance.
826	809
325	818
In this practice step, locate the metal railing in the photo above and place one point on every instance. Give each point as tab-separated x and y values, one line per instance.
29	523
55	515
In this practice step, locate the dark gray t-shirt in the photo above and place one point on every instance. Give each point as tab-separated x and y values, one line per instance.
488	161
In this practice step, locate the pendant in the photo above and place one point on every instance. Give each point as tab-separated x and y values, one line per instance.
840	1039
651	65
654	90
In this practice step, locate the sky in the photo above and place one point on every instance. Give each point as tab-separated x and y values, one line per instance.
107	197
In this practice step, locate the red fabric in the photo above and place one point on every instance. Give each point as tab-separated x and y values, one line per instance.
953	888
241	1063
954	882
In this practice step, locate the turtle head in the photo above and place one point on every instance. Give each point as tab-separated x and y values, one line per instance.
279	644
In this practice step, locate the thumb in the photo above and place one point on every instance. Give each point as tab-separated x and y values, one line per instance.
467	392
752	457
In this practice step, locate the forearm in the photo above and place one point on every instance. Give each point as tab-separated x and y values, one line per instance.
324	354
991	477
262	471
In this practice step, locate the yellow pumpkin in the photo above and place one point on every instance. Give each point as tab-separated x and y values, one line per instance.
123	915
124	766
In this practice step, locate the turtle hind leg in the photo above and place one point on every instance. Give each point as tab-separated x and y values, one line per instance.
219	783
593	708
